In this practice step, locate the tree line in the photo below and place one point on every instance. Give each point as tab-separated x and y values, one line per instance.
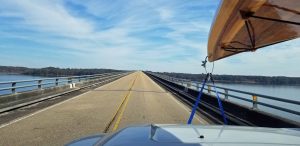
59	72
267	80
53	71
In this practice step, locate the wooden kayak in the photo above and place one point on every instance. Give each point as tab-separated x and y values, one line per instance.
247	25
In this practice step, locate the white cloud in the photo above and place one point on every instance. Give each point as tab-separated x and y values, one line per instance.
281	59
155	35
48	16
165	14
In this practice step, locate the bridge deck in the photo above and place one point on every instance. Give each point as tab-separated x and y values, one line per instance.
142	102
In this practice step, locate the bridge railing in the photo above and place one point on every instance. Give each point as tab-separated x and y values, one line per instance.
228	92
12	87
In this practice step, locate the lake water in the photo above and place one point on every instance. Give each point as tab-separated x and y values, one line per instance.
287	92
16	77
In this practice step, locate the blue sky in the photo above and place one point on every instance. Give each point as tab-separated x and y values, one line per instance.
160	35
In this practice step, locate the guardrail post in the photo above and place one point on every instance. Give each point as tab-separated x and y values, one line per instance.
39	84
188	84
56	82
69	80
226	94
198	86
209	89
13	89
254	101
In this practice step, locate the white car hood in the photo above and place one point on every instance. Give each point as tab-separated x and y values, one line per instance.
182	135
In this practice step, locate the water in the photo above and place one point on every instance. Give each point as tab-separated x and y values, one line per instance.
49	82
285	92
32	85
16	77
280	91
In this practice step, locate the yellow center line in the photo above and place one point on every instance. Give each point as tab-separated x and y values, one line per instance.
118	109
124	107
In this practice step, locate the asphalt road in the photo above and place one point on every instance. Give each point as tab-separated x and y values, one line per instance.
133	99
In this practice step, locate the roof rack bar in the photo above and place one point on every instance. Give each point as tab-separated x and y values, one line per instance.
247	14
276	20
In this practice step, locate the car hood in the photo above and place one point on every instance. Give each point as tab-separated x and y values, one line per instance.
182	135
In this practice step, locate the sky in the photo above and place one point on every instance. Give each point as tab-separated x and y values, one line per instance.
160	35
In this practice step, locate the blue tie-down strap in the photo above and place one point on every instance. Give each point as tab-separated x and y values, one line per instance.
220	104
197	100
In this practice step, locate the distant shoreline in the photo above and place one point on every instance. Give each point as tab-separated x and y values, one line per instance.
52	71
236	79
240	79
4	73
253	83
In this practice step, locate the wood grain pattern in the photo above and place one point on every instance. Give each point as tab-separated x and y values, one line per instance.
230	27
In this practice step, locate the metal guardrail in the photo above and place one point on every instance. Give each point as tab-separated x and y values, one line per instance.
38	84
93	81
226	92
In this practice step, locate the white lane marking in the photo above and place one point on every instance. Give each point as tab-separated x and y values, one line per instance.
188	110
39	111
